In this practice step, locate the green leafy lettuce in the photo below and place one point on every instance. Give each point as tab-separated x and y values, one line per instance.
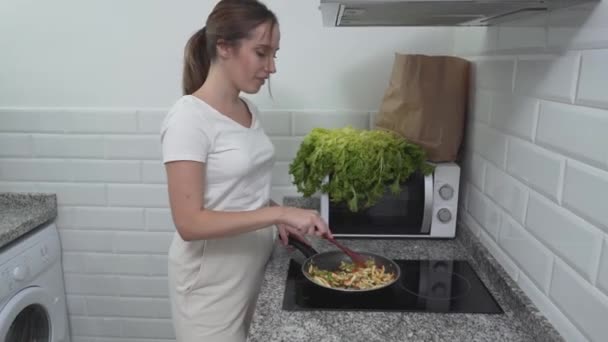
360	164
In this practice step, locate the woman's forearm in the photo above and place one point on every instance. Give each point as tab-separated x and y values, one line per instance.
210	224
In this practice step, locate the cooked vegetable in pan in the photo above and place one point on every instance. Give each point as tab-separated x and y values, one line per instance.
349	276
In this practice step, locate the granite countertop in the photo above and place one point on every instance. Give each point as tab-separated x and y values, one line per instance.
520	321
21	213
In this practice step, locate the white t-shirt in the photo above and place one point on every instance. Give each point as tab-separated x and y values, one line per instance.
238	159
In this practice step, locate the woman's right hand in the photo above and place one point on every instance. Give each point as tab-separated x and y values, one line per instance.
304	220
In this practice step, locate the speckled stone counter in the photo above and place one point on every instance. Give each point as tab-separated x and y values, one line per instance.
20	213
520	321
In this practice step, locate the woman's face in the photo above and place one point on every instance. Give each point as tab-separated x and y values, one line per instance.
251	62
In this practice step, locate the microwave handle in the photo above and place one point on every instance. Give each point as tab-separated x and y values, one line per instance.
428	204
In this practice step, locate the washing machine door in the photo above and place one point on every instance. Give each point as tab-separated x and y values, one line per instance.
27	317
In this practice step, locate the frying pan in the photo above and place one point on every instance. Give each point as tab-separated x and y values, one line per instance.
331	261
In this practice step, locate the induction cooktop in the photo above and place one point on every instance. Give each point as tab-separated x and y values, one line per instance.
446	286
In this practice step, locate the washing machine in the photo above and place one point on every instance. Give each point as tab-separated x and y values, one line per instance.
32	293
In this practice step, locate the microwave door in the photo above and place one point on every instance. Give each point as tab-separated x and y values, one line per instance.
407	213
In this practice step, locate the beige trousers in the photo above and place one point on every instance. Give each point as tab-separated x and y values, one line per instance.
213	285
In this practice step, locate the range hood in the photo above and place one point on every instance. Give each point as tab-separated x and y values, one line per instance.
434	12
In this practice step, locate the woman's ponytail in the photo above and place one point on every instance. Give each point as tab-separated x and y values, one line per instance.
196	62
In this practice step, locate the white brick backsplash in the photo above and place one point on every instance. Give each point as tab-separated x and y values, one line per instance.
124	264
550	77
147	286
568	236
96	326
60	170
105	218
103	121
503	259
159	220
593	76
523	34
124	286
495	74
61	214
128	307
515	115
73	262
602	278
585	188
531	256
583	304
506	191
490	143
86	241
484	211
305	122
579	27
19	120
76	305
373	116
150	120
149	328
481	105
138	195
77	284
537	167
68	120
474	169
545	185
286	148
579	132
76	194
54	120
15	145
17	186
116	227
153	172
69	146
561	323
34	170
280	174
144	242
132	147
470	223
474	40
276	123
111	171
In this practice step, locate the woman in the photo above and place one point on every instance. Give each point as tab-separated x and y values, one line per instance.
218	162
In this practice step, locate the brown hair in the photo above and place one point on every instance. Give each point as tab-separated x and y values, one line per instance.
230	21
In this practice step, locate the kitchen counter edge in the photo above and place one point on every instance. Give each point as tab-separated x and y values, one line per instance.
21	213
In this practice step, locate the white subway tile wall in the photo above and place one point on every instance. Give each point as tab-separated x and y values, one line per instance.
114	220
542	213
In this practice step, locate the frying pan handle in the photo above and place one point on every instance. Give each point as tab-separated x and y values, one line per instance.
305	249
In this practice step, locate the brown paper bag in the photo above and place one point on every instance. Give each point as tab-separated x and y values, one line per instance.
426	101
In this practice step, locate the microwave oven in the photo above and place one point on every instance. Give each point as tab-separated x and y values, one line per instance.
425	207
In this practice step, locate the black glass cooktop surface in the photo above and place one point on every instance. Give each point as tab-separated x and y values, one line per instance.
449	286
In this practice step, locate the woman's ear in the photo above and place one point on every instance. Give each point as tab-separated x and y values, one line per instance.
224	50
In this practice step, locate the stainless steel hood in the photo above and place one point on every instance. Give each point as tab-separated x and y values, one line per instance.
434	12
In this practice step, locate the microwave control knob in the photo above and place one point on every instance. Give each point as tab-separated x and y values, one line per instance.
444	215
446	192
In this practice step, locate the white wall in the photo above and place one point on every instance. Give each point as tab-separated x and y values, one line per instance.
83	88
536	170
117	53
